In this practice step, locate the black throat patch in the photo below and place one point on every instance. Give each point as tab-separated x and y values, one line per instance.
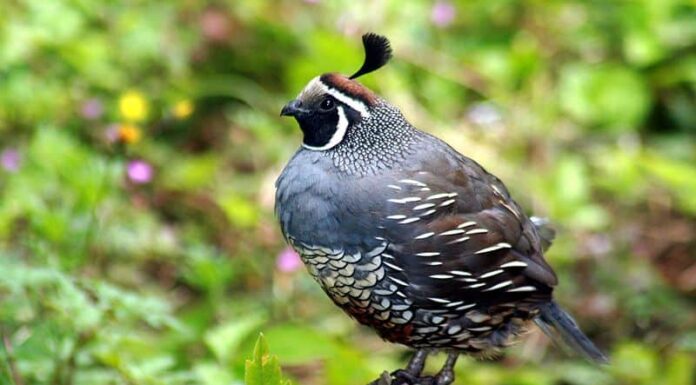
318	129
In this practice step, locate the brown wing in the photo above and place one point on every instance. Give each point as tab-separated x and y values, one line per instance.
460	239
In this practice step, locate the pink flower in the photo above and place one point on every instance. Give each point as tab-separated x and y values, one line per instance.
11	160
288	261
111	133
139	172
92	109
215	25
442	13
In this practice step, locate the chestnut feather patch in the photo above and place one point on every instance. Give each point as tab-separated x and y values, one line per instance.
349	87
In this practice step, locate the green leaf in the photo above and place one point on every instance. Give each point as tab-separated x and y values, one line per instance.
608	96
224	340
264	369
240	211
296	344
635	363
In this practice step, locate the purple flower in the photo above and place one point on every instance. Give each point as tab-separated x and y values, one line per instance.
442	13
288	261
139	172
92	109
11	160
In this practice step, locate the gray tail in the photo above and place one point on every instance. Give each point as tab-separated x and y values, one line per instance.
563	330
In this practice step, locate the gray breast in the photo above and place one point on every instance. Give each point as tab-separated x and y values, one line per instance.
318	205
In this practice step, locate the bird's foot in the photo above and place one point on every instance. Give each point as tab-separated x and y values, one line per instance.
403	377
446	374
411	375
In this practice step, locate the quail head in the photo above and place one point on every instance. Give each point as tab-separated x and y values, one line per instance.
407	235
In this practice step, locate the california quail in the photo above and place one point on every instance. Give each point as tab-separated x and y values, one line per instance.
407	235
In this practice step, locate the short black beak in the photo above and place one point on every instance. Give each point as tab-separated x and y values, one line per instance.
292	108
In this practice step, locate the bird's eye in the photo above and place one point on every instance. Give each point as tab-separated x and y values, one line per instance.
327	104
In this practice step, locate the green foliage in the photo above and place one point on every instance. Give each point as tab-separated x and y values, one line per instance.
609	96
139	143
264	368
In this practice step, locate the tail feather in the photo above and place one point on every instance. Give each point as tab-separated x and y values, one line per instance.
563	330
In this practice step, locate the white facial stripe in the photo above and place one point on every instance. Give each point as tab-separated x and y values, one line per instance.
352	103
337	136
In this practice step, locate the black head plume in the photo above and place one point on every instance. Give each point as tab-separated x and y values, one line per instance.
377	53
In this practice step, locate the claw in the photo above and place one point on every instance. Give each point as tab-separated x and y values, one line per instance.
412	374
402	377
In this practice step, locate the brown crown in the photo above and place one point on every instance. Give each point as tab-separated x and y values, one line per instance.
349	87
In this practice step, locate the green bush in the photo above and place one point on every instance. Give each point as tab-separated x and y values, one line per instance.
139	142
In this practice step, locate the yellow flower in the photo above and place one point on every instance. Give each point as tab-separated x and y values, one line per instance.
133	106
129	134
183	109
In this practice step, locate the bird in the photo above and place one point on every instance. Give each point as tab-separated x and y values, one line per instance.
407	235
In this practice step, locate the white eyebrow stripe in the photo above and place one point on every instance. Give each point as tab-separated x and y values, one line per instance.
343	98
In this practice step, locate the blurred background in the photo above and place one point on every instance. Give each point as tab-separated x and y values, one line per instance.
139	143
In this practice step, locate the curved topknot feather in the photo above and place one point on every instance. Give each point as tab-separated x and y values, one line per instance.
377	53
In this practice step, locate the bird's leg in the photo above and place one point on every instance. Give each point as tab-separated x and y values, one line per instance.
446	374
417	363
413	370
